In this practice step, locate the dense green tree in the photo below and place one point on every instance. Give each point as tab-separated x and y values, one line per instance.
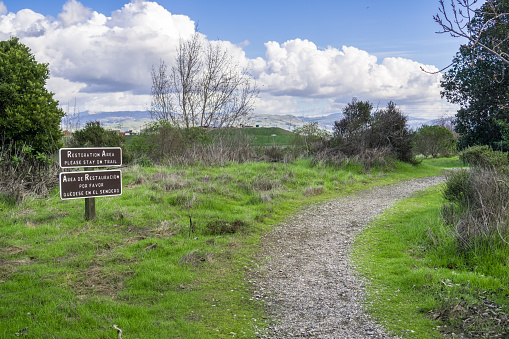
478	80
94	135
389	129
28	113
356	117
361	130
434	141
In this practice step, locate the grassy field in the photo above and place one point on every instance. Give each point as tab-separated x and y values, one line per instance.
166	259
422	285
269	136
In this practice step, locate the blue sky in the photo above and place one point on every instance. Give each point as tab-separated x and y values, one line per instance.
392	37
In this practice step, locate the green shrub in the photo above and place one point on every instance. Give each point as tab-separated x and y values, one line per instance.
481	197
94	135
458	187
361	130
483	156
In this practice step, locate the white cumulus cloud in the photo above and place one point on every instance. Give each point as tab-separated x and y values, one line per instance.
104	60
74	13
297	67
97	53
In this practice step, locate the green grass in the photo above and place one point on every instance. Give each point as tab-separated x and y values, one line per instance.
422	286
269	136
139	266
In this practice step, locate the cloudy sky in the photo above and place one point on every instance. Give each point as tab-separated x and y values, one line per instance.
308	57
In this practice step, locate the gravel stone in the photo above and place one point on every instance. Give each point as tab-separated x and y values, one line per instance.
305	277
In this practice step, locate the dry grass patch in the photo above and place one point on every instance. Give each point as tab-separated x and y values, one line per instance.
196	257
96	280
12	250
313	191
220	227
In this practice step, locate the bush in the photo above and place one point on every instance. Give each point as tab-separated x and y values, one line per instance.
361	130
434	141
310	137
29	115
483	156
458	187
24	172
94	135
482	199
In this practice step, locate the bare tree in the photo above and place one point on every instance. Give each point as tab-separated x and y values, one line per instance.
71	120
457	21
161	105
205	87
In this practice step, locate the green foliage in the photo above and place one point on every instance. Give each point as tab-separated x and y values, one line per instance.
94	135
457	187
362	130
483	156
390	129
434	141
310	136
357	116
477	81
503	145
28	113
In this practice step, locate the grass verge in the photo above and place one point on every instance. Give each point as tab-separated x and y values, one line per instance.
421	285
165	259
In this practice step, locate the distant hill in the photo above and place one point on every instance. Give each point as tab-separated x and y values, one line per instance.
122	120
137	120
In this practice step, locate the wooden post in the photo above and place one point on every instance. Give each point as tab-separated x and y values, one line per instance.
89	208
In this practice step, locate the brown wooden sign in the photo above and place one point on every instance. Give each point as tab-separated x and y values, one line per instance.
90	157
89	184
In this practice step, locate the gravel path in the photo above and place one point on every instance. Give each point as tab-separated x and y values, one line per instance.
308	285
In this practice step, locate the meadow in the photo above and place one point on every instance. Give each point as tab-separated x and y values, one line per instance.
167	258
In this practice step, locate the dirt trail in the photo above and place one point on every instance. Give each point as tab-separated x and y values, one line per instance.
307	282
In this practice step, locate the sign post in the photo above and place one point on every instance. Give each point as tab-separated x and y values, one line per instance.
90	184
89	208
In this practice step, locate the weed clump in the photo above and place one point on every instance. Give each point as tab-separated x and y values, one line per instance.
313	191
25	172
220	227
481	200
196	257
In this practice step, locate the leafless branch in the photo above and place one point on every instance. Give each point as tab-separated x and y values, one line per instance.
205	87
457	21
